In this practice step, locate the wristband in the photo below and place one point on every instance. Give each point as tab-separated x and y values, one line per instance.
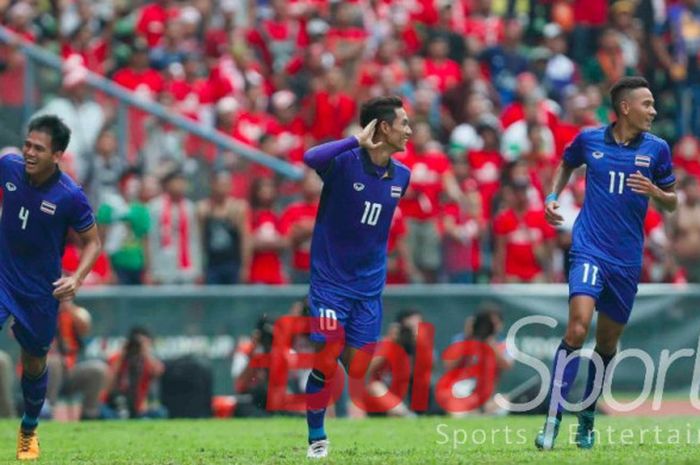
550	198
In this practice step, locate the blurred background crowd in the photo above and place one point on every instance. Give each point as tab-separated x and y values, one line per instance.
495	90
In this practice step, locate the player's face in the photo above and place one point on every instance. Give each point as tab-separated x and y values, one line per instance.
398	133
641	111
39	158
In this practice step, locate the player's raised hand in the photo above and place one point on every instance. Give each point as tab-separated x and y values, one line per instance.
66	287
551	215
365	136
640	184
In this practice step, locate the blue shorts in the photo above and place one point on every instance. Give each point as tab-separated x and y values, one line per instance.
361	320
613	287
35	320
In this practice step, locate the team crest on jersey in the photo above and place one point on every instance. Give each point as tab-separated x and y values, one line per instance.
598	155
10	187
48	207
642	160
396	191
358	186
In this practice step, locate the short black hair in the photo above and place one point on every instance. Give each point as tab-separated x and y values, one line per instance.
623	87
381	109
54	127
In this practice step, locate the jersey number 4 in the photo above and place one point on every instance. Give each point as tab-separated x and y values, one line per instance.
24	216
371	214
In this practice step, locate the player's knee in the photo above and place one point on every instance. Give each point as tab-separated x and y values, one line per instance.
576	334
33	366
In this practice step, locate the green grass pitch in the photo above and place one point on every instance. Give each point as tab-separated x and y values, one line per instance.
372	441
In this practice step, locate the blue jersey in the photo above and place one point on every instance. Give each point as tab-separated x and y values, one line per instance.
610	224
33	228
349	244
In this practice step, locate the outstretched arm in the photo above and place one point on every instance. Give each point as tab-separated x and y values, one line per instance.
319	158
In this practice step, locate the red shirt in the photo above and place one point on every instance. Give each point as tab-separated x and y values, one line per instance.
151	22
462	255
522	234
290	139
486	167
590	12
266	265
94	55
487	31
425	188
250	126
120	368
443	74
294	214
332	114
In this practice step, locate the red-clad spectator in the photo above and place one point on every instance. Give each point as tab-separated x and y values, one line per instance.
267	239
486	164
388	60
132	372
430	176
528	93
277	38
579	116
399	264
152	18
145	82
657	260
254	121
290	129
424	12
442	72
686	156
297	224
483	28
192	93
19	20
524	240
463	229
346	40
331	109
94	50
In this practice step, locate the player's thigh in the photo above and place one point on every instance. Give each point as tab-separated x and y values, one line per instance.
330	314
363	328
35	327
620	291
586	284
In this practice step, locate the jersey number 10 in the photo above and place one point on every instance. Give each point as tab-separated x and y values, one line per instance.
371	214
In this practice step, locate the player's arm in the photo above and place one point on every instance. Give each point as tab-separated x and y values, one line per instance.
561	179
67	286
664	197
319	158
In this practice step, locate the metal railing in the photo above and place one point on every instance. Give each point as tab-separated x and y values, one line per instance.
125	98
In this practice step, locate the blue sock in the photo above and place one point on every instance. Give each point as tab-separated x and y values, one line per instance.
567	377
34	392
316	410
591	378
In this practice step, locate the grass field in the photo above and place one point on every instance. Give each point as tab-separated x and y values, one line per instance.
372	441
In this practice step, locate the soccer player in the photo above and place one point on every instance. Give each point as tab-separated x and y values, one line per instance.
625	167
40	204
362	185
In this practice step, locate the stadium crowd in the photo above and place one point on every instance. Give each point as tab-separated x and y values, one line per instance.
495	89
